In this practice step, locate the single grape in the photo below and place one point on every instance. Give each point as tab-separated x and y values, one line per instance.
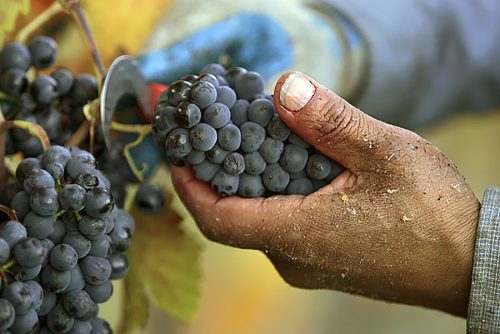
25	323
229	137
187	114
252	136
58	321
12	232
65	79
125	219
77	303
93	228
19	295
58	234
100	326
99	202
224	183
44	201
72	197
275	178
178	144
254	163
7	314
192	78
150	199
178	92
164	120
121	238
203	94
77	281
206	170
48	302
81	327
31	147
29	252
195	157
13	82
300	187
100	293
79	243
119	266
55	169
209	78
217	115
96	270
43	50
217	154
294	158
239	112
56	153
44	89
25	273
87	180
38	178
248	84
82	163
234	163
226	96
232	73
251	186
37	293
63	257
55	280
203	137
101	247
84	89
39	227
15	55
21	204
277	129
301	174
318	167
8	192
213	68
92	313
335	171
261	111
271	150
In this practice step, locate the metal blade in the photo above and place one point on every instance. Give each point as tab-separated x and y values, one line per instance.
123	77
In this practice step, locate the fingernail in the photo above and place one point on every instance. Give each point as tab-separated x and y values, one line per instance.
296	92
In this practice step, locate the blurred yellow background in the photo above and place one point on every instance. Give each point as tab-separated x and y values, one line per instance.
242	293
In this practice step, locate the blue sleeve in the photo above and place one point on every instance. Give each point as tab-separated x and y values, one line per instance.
427	58
484	301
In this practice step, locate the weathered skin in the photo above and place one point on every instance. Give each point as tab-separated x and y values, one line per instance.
399	224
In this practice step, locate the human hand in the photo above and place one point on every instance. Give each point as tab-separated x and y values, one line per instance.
398	224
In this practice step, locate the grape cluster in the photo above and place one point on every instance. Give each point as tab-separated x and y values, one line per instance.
59	259
54	100
223	124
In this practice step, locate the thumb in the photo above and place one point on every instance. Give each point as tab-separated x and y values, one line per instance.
328	122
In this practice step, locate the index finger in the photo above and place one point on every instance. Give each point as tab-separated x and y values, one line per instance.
234	221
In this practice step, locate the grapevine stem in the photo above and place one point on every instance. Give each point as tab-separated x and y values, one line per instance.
79	16
60	213
32	128
79	135
9	264
40	20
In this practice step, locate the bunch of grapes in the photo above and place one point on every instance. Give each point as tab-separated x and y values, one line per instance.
54	100
223	124
58	259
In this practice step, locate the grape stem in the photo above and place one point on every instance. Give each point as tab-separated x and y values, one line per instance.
3	170
40	20
142	131
9	264
9	212
60	213
75	9
32	128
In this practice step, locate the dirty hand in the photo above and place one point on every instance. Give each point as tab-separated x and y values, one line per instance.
398	224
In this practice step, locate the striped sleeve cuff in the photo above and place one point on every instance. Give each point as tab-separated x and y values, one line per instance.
484	302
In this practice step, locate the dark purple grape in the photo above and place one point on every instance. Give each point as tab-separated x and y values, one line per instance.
15	55
13	82
43	50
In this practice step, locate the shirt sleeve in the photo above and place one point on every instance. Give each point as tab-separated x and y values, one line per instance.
484	302
427	59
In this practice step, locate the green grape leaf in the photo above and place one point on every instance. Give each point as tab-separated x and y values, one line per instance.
135	311
168	260
8	15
